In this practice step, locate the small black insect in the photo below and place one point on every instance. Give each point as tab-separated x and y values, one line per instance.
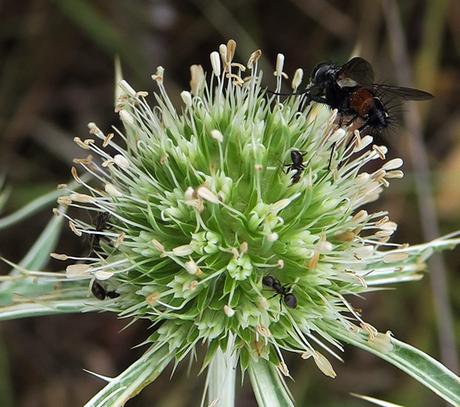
297	166
284	291
101	293
102	220
98	291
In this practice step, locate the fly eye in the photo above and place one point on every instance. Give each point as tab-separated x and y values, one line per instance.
318	74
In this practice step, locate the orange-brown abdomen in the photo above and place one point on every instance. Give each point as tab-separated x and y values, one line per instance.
362	101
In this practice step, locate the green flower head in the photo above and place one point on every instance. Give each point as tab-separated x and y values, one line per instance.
236	219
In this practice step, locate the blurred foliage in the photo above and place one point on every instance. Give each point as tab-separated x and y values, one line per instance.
56	59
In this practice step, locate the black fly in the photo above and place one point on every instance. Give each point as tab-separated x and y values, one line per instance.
350	88
297	166
284	291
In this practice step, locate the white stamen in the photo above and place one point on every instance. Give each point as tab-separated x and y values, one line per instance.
272	237
395	257
107	139
324	246
158	246
158	75
364	251
126	117
186	98
77	270
394	174
363	143
255	56
279	65
337	135
189	194
363	178
229	311
207	195
85	161
297	79
112	190
381	151
191	267
103	275
215	63
59	256
393	164
83	144
223	53
217	135
389	226
73	228
197	78
83	198
64	200
121	161
75	176
360	216
184	250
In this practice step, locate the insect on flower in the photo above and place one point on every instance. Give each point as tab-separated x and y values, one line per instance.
102	220
297	166
351	90
284	291
101	293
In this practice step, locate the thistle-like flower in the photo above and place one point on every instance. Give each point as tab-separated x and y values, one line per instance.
205	225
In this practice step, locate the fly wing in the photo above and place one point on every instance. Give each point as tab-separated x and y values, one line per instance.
356	72
402	92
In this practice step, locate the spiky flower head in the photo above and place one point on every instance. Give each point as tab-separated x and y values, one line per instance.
205	224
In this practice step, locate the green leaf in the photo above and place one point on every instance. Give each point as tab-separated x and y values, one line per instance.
414	362
375	401
39	254
129	383
36	309
268	386
4	192
36	205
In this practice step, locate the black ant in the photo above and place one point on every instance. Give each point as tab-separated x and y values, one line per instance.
102	220
289	299
297	165
100	292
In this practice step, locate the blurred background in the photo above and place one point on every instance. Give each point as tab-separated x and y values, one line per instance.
56	75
